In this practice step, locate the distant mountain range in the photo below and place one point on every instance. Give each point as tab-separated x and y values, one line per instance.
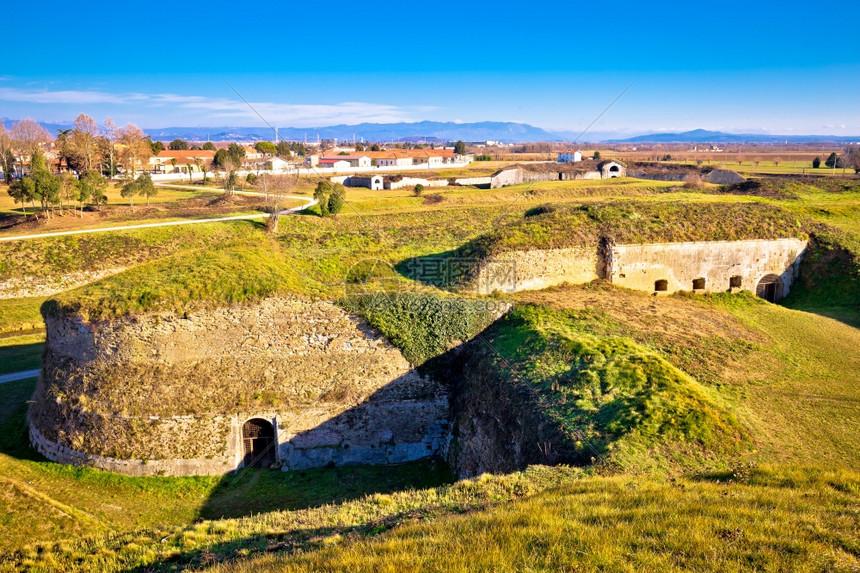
705	136
443	132
429	131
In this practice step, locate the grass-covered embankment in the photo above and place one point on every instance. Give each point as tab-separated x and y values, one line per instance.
189	281
536	388
560	226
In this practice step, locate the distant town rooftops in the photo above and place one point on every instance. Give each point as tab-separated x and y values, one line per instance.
186	154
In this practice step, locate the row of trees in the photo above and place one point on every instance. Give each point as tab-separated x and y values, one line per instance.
851	160
57	191
83	148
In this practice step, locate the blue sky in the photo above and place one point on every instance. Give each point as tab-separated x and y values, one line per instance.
769	67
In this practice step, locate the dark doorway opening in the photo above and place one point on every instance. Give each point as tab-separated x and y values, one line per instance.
258	439
661	285
770	288
735	282
698	284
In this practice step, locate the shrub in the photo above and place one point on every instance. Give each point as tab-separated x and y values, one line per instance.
337	199
322	193
419	189
816	163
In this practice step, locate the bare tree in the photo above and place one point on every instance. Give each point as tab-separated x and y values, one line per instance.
83	141
110	133
28	137
134	148
7	153
280	186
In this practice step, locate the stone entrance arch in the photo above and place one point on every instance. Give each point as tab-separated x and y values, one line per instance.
770	288
258	440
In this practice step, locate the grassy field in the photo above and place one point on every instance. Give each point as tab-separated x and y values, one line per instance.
783	520
786	500
8	205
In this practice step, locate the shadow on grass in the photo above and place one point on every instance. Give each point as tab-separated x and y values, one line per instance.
264	490
441	270
287	541
20	357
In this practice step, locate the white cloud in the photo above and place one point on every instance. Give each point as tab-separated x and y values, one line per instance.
210	109
59	97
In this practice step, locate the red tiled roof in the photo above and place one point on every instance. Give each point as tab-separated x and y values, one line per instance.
187	153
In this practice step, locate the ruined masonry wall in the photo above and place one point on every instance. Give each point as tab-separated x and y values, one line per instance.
538	269
167	393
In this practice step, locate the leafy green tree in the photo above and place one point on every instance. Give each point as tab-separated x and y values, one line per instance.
283	149
337	199
597	156
146	187
834	161
23	190
222	159
816	163
232	181
322	193
460	148
209	146
46	184
250	178
359	146
375	147
92	188
419	189
266	147
237	152
156	146
178	145
129	190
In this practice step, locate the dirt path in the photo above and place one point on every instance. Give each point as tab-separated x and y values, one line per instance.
308	204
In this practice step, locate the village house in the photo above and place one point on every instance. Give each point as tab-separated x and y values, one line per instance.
181	161
570	157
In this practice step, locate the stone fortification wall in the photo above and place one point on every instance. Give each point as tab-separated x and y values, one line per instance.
717	262
538	269
168	394
724	266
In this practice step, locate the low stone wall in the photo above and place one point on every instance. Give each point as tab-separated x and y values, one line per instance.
413	181
537	269
476	181
175	390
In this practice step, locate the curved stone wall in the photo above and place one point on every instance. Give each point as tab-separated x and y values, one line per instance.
167	394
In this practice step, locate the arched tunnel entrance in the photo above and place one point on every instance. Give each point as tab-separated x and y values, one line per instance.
258	439
770	288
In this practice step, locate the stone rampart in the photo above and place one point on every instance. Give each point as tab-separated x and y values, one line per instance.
168	393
